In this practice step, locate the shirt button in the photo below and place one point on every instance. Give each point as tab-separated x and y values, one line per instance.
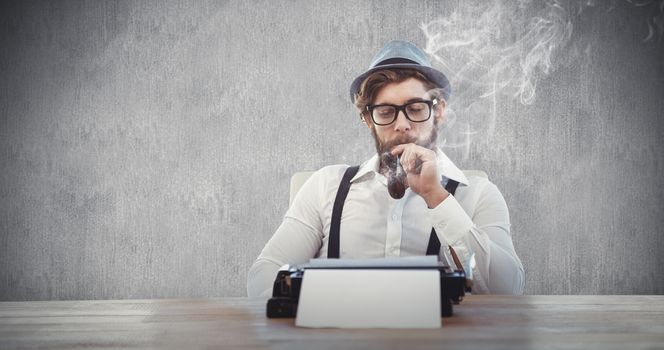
395	217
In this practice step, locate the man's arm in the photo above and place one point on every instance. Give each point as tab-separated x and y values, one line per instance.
298	239
498	269
294	242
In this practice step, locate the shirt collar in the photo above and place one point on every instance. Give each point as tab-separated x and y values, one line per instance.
446	168
367	170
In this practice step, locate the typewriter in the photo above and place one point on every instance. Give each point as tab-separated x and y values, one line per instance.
286	289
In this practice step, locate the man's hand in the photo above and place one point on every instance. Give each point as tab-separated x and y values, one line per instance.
421	172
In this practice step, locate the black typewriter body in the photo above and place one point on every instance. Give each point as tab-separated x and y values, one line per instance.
286	289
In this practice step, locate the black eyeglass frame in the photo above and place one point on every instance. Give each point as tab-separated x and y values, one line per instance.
397	109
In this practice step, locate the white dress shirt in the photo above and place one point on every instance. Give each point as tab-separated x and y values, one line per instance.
473	221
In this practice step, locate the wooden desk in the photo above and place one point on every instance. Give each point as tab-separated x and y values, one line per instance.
480	322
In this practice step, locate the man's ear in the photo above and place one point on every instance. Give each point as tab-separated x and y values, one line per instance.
439	113
366	119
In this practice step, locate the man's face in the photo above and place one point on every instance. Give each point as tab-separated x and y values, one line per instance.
403	130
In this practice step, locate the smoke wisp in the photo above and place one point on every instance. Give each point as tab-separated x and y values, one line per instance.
501	50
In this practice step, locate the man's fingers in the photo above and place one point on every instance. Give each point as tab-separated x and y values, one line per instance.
407	158
417	167
398	149
411	156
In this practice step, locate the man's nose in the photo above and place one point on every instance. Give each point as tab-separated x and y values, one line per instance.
402	123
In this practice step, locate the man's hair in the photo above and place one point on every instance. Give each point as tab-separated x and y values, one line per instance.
379	79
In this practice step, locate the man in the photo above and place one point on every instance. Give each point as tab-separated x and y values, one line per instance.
437	210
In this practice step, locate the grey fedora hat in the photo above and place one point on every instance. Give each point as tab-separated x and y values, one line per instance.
403	54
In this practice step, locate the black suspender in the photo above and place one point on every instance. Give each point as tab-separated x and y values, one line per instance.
451	186
433	247
344	186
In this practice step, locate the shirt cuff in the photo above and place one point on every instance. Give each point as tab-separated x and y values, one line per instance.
450	220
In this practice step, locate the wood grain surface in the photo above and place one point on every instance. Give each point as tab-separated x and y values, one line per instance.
486	322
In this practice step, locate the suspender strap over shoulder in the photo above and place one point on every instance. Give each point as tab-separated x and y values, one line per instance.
451	186
344	187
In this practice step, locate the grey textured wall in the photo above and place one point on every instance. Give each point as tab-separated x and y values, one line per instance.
146	147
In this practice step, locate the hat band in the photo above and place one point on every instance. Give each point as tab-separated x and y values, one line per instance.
395	60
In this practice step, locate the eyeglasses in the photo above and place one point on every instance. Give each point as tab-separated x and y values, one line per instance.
416	111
